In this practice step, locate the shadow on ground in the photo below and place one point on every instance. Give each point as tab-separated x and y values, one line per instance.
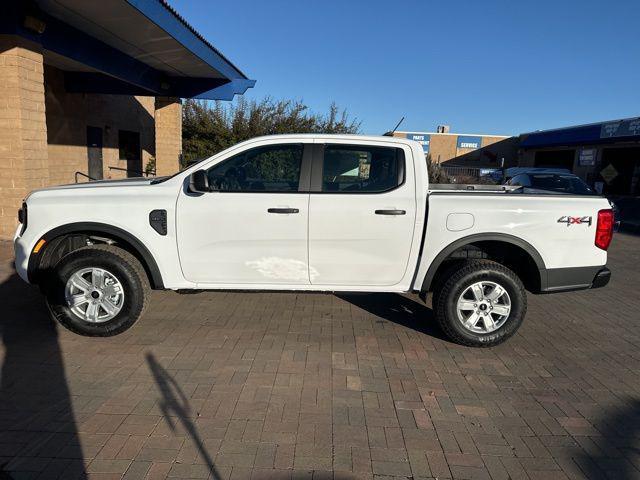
38	429
398	309
175	407
609	456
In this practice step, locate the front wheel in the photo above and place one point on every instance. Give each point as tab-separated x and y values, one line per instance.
481	304
97	291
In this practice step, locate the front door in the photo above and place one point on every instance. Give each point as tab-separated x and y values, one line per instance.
361	224
252	227
129	150
94	153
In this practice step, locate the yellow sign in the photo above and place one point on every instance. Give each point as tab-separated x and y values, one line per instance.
608	173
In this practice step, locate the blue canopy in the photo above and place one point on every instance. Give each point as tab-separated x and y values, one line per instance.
135	47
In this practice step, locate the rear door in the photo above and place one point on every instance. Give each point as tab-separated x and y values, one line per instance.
362	211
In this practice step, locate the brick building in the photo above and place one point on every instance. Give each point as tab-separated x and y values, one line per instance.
94	89
464	149
606	155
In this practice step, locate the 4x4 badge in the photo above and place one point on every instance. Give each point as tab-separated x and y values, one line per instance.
574	220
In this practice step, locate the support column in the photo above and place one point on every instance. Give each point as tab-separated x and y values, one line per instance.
168	119
23	127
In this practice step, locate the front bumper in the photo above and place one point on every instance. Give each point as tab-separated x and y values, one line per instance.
21	252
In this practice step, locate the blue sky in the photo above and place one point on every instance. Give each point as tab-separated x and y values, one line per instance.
501	67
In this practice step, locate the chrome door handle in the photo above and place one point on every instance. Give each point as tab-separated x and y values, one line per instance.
283	210
391	212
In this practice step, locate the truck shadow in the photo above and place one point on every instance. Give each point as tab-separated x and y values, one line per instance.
38	430
399	309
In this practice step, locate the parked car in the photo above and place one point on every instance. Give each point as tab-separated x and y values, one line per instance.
310	213
554	180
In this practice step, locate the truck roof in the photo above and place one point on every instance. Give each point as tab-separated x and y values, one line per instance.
333	136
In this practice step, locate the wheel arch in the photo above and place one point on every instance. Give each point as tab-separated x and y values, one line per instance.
486	238
126	240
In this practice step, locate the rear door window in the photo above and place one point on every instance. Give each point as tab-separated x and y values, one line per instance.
361	169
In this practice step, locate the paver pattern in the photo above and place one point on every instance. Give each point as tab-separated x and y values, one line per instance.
227	385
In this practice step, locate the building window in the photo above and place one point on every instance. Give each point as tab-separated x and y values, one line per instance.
129	148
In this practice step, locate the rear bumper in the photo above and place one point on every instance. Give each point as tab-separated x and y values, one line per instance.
575	278
601	278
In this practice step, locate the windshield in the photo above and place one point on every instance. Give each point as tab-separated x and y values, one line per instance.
560	183
190	164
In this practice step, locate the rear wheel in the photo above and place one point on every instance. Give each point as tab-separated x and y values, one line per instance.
97	291
480	304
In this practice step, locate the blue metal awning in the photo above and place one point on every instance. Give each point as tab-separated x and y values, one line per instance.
614	131
137	47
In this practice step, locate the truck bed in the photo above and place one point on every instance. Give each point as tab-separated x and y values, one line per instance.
459	188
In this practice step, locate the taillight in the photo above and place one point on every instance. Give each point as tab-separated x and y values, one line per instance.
604	228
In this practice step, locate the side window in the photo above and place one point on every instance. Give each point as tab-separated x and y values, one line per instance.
360	168
274	168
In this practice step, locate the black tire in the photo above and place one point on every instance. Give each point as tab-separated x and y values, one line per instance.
441	279
450	289
120	263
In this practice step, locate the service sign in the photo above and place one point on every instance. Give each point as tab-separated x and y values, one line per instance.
422	138
469	142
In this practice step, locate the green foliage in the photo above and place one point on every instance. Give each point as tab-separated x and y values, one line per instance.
210	127
150	167
277	166
274	168
437	174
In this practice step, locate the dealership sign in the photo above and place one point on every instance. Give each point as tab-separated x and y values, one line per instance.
468	142
621	128
422	138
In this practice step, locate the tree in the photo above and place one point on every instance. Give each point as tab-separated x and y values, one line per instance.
437	174
210	127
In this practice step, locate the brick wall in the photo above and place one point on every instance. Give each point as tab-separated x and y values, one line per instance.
43	129
69	114
443	147
168	116
23	128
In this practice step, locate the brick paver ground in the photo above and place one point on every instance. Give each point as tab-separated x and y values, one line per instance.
314	386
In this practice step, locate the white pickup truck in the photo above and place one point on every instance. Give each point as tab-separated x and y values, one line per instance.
310	213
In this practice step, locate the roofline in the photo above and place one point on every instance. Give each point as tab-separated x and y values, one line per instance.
165	3
329	136
297	137
456	134
571	127
194	44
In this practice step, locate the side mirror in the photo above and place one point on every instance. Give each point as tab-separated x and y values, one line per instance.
199	182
